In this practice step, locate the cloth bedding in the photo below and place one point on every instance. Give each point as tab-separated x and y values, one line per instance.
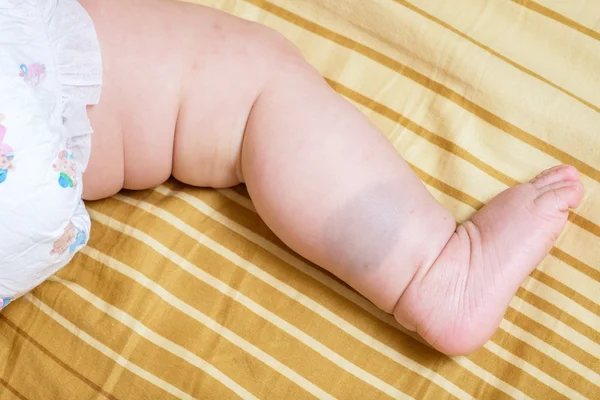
184	293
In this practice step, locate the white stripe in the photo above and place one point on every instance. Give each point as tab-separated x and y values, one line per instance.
158	340
558	327
557	355
535	372
490	378
287	258
185	308
340	289
117	358
573	308
184	264
550	294
238	198
535	314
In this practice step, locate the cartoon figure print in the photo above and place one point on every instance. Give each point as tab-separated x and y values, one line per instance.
71	240
67	169
6	153
33	74
4	302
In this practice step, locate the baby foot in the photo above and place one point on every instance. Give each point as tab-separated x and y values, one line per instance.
457	303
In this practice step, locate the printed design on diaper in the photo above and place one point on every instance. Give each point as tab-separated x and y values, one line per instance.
6	153
71	240
5	301
33	74
67	169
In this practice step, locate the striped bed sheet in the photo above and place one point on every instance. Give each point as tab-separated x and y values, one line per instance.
184	293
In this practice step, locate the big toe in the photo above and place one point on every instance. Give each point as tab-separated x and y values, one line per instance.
555	175
558	188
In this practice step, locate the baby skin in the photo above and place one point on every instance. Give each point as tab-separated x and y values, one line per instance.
216	101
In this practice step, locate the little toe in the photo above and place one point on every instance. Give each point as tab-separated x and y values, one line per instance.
560	196
560	173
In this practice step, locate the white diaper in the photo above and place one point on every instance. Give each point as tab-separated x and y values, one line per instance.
50	70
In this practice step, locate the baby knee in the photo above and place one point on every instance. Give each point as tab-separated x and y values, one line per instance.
275	54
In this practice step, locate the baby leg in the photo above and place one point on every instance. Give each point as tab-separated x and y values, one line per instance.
249	108
335	190
332	188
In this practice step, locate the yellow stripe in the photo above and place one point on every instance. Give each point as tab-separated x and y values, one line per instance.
446	145
555	303
584	224
548	307
552	310
533	371
214	214
555	329
476	204
253	328
204	208
449	146
143	330
537	320
292	260
11	391
575	263
523	380
545	333
463	35
149	308
585	328
120	360
537	274
447	189
247	302
350	70
431	137
552	361
297	263
558	327
238	198
276	250
546	12
317	308
195	314
137	349
490	379
567	291
23	353
440	89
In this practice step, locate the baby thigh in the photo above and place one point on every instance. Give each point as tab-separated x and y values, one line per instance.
179	83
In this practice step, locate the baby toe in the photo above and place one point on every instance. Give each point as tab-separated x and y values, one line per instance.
560	196
560	173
